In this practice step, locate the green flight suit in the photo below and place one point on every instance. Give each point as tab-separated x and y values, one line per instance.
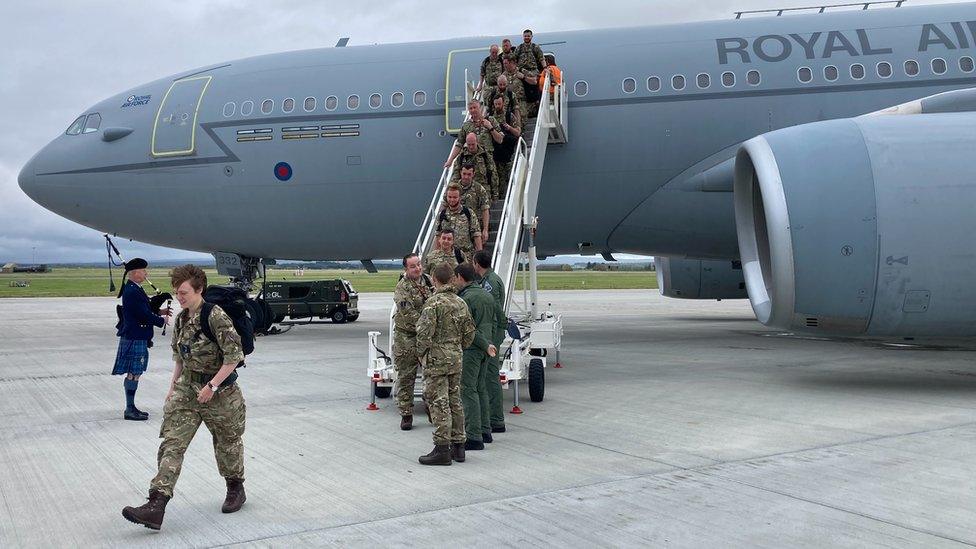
493	284
474	392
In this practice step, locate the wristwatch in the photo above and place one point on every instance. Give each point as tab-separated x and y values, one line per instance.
212	388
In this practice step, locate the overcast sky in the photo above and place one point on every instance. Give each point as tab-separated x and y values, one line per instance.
59	57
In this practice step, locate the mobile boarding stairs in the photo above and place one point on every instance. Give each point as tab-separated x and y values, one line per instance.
532	334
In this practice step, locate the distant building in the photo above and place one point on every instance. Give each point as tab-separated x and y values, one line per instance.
8	268
15	268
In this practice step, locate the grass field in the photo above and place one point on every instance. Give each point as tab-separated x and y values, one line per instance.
88	282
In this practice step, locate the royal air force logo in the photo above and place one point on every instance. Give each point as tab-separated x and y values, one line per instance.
136	101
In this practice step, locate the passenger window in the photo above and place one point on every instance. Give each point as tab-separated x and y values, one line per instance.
247	107
939	66
331	103
830	73
678	82
704	81
857	71
911	67
352	102
419	98
288	105
804	74
397	99
629	85
375	101
653	84
728	79
76	126
753	78
93	122
581	88
884	69
966	64
229	108
439	97
267	106
309	104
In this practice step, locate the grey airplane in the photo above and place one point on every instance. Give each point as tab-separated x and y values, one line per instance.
738	149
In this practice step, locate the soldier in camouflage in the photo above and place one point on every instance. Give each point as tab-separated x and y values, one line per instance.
501	90
202	390
444	329
508	52
474	391
411	292
529	55
504	154
475	197
485	128
493	284
455	215
445	252
516	85
491	67
483	162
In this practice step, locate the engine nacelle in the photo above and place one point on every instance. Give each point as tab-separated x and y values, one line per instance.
699	278
862	226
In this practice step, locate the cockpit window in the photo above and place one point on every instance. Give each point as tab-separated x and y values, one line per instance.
76	126
93	122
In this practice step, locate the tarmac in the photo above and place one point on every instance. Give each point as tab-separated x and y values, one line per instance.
673	423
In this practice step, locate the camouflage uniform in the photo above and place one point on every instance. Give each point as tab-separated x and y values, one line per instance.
484	169
529	57
223	414
439	256
510	54
465	228
517	87
409	297
484	136
475	197
490	69
493	284
444	329
505	153
509	97
474	391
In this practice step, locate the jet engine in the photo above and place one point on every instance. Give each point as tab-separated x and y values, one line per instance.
699	278
862	226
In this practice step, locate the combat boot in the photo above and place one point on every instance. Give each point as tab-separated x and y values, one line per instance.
134	415
474	445
486	438
149	514
235	496
406	423
457	451
440	455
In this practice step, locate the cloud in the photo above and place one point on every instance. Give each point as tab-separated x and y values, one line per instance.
61	56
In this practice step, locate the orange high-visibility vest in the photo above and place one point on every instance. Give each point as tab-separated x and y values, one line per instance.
555	77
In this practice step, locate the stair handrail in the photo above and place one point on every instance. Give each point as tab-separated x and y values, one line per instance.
508	241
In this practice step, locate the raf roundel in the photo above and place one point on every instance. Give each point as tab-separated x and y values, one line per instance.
282	171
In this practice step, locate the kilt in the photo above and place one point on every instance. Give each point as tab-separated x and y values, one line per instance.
131	358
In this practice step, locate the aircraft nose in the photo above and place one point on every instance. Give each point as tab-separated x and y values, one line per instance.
26	178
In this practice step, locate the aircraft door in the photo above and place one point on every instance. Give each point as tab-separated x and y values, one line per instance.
174	131
455	107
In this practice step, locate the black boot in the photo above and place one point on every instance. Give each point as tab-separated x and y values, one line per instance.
474	445
498	429
486	438
149	514
457	451
235	496
440	455
141	413
406	423
135	415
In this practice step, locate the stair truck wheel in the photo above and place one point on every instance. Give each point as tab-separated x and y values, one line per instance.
383	392
537	380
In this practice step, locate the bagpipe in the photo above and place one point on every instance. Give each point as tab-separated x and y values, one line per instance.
156	301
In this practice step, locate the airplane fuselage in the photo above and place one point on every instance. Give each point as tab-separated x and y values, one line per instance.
278	164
